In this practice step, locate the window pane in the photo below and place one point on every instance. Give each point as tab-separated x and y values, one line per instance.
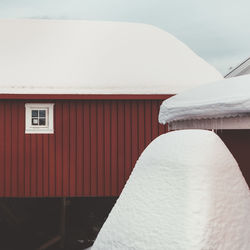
34	121
34	113
41	121
42	113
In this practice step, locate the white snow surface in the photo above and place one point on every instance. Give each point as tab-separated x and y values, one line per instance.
224	98
180	196
90	57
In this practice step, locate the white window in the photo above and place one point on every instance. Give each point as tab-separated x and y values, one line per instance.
39	118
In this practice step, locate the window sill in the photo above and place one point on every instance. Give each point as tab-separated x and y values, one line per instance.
39	131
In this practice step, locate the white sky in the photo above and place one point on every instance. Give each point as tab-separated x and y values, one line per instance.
217	30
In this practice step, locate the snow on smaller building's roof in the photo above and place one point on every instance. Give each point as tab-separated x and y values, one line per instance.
90	57
221	99
180	196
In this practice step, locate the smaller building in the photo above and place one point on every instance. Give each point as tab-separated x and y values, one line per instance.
222	106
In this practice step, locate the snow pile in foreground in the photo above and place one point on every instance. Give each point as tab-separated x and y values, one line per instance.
185	192
224	98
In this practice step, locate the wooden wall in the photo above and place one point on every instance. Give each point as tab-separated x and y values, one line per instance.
238	142
92	152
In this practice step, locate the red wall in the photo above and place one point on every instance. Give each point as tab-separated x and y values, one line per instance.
95	145
238	142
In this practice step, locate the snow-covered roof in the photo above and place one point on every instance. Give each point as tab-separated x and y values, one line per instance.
221	99
242	69
180	196
89	57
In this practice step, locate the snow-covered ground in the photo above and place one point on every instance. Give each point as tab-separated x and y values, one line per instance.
185	192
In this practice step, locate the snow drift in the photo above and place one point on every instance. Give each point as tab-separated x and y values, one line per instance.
185	192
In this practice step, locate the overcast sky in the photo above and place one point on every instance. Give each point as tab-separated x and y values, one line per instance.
217	30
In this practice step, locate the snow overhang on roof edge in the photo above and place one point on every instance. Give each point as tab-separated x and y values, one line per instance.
222	123
221	99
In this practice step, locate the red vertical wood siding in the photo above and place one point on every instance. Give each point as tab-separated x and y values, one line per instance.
2	150
92	152
21	150
7	144
107	142
86	150
237	142
79	149
58	114
100	150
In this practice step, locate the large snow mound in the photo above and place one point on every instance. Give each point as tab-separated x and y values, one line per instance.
225	98
185	192
89	57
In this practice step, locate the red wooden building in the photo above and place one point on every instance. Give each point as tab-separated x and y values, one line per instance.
79	102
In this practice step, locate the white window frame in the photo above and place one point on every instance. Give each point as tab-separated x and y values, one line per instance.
44	129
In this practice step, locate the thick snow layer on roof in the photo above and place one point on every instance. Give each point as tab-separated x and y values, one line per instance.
225	98
180	196
88	57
